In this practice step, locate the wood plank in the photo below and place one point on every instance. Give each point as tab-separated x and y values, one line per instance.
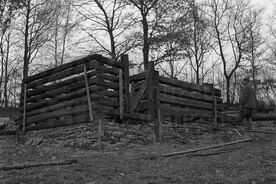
169	110
187	94
205	148
138	77
88	93
125	63
110	78
111	62
121	95
138	96
28	165
59	98
107	85
168	99
58	113
62	74
63	90
188	86
151	91
61	105
62	67
65	83
110	71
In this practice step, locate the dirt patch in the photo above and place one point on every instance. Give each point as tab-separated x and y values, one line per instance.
252	162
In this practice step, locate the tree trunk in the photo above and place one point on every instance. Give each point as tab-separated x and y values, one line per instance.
26	51
6	72
146	42
228	80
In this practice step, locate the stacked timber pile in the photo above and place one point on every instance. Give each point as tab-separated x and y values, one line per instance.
76	92
175	98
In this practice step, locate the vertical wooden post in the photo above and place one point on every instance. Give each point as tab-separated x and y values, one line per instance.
24	108
121	95
159	118
100	134
153	99
88	94
125	62
215	112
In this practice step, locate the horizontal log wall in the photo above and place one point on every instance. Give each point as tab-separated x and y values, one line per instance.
178	98
183	99
58	97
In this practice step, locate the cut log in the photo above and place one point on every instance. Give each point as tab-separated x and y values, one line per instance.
138	77
188	86
58	113
169	110
42	89
63	67
138	96
57	99
261	132
168	99
63	90
205	148
63	74
28	165
110	71
187	94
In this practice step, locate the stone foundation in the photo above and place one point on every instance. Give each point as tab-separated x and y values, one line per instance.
86	136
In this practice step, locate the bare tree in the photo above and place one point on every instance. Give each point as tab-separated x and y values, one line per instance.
38	16
230	32
144	7
111	18
200	43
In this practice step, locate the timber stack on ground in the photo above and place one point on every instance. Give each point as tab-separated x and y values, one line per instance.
96	87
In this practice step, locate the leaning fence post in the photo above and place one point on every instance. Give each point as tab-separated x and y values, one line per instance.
88	94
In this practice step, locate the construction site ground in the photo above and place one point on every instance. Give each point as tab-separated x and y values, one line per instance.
251	162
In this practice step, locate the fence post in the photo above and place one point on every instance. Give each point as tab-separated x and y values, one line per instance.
153	99
125	62
24	108
121	95
88	94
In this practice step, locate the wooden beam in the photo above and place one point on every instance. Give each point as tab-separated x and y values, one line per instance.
100	134
28	165
151	91
125	63
121	95
205	148
138	96
62	68
88	94
170	90
184	102
138	77
188	86
67	85
62	74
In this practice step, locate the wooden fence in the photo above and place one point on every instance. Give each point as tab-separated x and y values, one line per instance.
171	97
96	87
76	92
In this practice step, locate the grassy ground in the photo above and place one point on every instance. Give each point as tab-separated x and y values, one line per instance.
252	162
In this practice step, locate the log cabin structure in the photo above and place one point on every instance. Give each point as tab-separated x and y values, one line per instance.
96	87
